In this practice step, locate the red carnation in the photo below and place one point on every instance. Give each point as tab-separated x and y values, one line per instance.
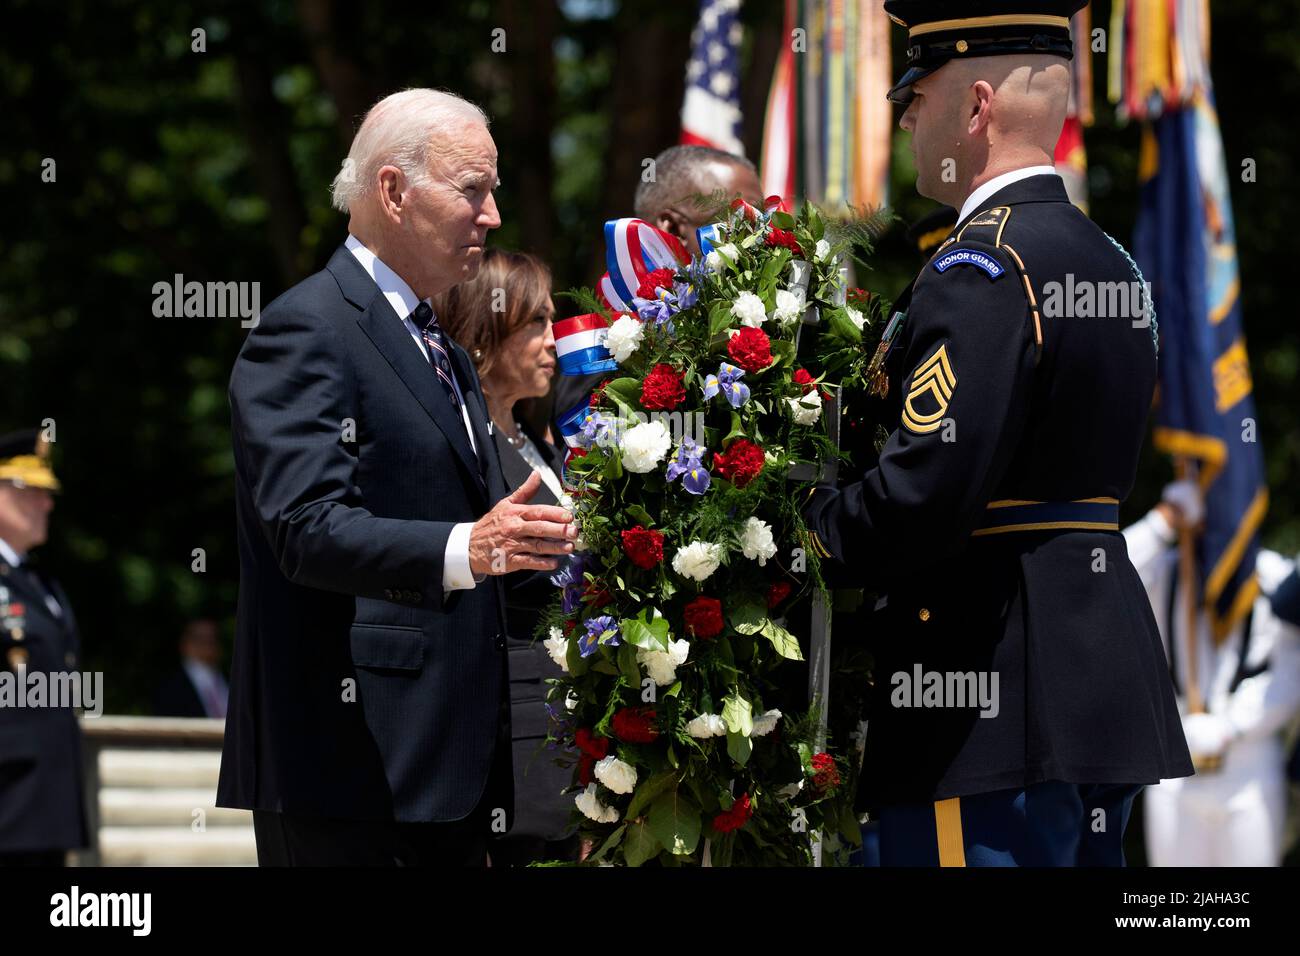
751	349
662	388
740	463
591	745
736	817
586	770
643	547
635	725
856	296
777	592
568	626
653	282
704	617
784	237
826	776
804	379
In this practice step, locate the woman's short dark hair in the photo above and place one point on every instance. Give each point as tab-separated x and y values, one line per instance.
510	290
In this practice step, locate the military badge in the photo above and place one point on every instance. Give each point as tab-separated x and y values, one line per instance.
933	385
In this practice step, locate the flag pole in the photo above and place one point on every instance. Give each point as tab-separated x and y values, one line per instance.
1187	584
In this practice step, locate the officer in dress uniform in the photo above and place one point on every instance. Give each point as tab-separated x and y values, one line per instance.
42	815
1021	696
1233	812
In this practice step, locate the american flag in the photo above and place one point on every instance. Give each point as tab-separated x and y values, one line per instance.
711	108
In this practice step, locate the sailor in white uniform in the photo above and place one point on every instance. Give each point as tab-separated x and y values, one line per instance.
1233	811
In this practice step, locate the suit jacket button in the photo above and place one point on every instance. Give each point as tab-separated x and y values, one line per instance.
417	596
924	614
388	593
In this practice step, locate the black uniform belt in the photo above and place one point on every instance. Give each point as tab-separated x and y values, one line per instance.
1088	514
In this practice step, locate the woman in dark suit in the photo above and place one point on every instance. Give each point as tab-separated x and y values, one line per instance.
503	318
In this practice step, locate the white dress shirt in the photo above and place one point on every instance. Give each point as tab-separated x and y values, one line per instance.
9	555
15	560
975	199
456	572
214	693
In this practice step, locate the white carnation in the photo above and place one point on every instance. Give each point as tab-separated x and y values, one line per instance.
616	775
856	317
707	725
720	256
790	305
624	338
806	408
765	723
749	309
756	541
644	446
662	665
697	560
822	251
592	808
557	645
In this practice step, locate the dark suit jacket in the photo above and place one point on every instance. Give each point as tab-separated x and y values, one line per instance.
41	800
177	697
541	809
358	689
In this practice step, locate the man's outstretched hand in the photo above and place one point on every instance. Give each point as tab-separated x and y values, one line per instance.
517	536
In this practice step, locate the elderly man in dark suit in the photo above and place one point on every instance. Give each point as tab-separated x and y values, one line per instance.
368	720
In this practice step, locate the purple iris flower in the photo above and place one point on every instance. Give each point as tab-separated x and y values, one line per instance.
571	572
728	380
597	429
687	466
685	294
658	310
597	626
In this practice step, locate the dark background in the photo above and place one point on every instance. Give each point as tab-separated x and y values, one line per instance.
216	165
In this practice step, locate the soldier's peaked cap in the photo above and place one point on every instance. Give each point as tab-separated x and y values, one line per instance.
943	30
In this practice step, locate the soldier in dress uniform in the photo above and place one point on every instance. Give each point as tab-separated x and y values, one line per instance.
1233	812
42	814
1021	697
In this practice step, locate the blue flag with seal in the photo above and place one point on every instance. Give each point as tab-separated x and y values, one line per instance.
1186	246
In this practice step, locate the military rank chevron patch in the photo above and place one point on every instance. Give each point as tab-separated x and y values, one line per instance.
933	385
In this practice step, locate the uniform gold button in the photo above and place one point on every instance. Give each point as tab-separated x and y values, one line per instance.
962	46
924	614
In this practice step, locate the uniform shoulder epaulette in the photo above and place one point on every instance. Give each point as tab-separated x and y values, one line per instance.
986	228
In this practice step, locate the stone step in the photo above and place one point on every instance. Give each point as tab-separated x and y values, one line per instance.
171	806
176	846
159	768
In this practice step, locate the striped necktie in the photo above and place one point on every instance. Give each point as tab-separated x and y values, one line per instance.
436	342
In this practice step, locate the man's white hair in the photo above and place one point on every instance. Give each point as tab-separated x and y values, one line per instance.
398	131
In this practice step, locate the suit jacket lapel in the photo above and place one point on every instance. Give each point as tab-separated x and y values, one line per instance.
478	417
385	329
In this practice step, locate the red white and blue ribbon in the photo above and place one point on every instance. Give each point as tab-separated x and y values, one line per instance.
580	345
634	249
571	423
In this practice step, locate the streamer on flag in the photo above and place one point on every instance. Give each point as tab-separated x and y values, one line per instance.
580	345
711	108
1071	158
1185	243
827	129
